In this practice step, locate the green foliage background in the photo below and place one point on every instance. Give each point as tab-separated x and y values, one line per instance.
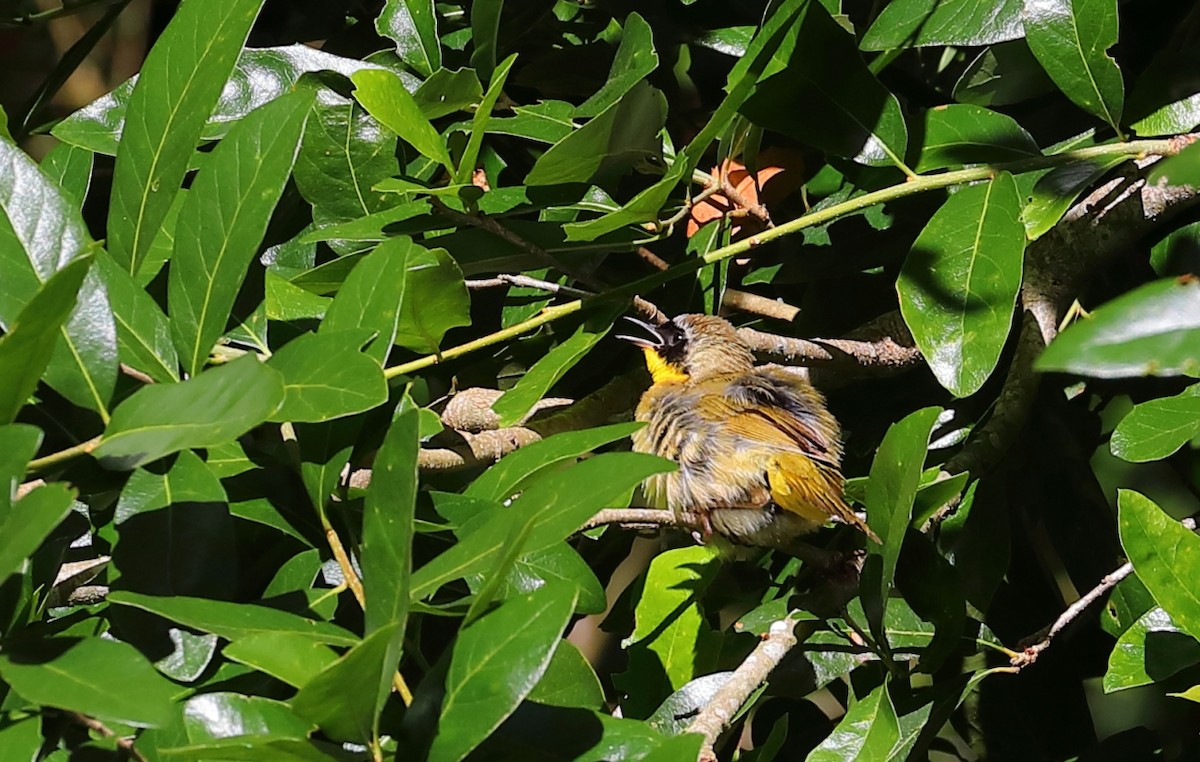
236	321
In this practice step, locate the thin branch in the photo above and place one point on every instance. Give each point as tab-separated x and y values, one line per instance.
718	714
471	410
62	456
525	281
752	208
29	19
655	261
745	301
125	746
136	374
631	517
883	343
1042	640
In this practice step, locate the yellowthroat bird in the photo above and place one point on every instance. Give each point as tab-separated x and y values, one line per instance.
758	453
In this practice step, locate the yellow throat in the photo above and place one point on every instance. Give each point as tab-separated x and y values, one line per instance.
660	369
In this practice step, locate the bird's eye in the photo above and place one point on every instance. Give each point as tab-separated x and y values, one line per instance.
674	341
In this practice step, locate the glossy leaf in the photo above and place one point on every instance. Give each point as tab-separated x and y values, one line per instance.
18	444
215	406
27	523
70	167
28	344
826	97
1150	651
958	23
344	699
1055	191
670	623
557	564
325	376
1157	428
1070	38
1001	75
960	281
412	25
105	679
555	504
223	220
294	659
1165	556
345	152
868	731
373	295
506	477
497	661
481	119
260	76
515	403
384	97
233	620
223	714
179	85
892	488
444	302
1182	169
449	90
964	134
143	333
1152	330
41	231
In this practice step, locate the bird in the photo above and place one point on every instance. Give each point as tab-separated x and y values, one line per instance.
759	453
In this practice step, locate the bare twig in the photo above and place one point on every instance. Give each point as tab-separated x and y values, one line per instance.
751	673
471	410
758	305
125	746
134	373
1041	641
752	208
525	281
655	261
883	343
631	517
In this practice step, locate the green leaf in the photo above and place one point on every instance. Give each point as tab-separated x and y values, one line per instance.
223	221
261	75
1070	39
634	61
569	681
1155	107
963	134
670	624
143	333
102	678
1054	191
960	281
26	348
345	698
558	564
868	731
443	301
1152	330
481	119
41	231
29	521
179	85
485	33
249	748
1181	169
496	662
233	620
294	659
555	504
958	23
412	25
383	95
1157	428
1150	651
1001	75
373	295
221	714
506	477
449	90
19	442
515	403
826	97
345	152
1165	556
325	376
70	167
388	527
892	488
218	405
620	137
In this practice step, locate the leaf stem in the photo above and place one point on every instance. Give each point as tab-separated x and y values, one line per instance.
910	187
62	456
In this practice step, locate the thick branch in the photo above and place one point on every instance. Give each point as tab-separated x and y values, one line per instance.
884	343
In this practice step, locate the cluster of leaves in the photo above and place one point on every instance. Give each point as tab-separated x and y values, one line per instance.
244	273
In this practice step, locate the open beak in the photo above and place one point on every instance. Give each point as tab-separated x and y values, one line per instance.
652	340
